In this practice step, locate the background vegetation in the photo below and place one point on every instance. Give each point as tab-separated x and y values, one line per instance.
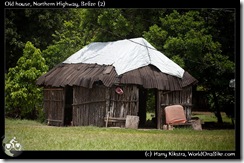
199	40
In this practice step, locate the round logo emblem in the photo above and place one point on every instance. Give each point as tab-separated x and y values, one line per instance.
12	147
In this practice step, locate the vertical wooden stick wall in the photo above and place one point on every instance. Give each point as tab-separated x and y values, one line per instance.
183	97
54	103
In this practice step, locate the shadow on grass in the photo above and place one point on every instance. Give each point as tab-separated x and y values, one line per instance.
217	126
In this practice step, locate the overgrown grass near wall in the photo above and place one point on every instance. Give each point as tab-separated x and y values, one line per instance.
210	117
205	116
36	136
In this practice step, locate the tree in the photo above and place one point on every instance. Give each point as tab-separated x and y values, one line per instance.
199	40
35	25
222	28
67	40
23	98
187	39
116	24
94	25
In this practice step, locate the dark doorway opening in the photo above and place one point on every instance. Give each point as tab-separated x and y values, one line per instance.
68	106
147	108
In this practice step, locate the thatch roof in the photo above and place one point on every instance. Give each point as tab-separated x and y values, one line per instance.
86	75
129	61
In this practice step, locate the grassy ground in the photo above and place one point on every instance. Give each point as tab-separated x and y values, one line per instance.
210	117
36	136
205	116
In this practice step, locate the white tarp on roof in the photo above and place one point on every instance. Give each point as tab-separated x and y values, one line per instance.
126	55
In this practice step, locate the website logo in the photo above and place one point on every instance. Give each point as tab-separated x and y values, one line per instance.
12	148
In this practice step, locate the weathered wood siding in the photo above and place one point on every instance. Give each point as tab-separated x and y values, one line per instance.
89	106
183	97
120	106
54	106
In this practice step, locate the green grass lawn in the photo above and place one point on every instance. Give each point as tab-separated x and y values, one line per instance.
210	117
205	116
36	136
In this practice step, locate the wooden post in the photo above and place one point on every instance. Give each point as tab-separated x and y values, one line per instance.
63	108
107	119
163	119
158	109
107	98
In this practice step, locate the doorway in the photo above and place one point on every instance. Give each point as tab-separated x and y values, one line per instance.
68	106
147	108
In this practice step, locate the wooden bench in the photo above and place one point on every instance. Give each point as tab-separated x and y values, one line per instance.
114	119
195	123
131	121
175	116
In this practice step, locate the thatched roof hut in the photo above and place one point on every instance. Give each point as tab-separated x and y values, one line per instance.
83	90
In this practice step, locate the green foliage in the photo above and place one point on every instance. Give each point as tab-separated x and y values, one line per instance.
114	21
66	40
199	40
151	101
182	36
34	25
156	36
105	25
188	40
23	98
116	24
177	59
89	25
219	64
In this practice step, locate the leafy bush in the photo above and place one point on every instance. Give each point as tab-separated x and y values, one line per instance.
22	96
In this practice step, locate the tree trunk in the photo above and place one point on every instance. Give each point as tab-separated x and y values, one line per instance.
217	109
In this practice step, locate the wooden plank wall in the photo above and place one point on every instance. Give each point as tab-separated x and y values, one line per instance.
183	97
54	106
89	106
125	104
